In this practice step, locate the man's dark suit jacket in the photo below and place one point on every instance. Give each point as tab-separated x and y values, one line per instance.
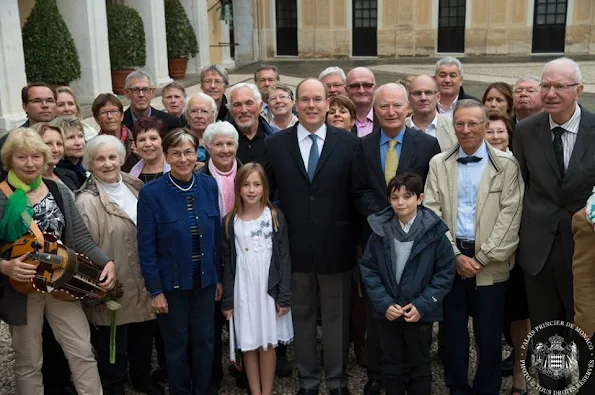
551	201
463	95
418	148
319	213
171	122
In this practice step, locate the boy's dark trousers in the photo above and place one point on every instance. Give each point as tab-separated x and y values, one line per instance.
405	356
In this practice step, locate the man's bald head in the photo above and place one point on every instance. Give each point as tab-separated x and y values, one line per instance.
423	96
360	86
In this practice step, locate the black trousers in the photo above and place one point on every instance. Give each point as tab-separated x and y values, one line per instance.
374	349
134	346
406	356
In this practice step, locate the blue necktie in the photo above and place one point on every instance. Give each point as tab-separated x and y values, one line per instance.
313	157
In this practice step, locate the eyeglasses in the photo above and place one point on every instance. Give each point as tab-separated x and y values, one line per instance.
43	101
198	111
471	125
211	82
273	99
306	100
557	87
417	94
178	154
365	85
530	91
137	91
111	113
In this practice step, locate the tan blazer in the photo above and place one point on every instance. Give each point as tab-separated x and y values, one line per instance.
115	233
497	214
583	270
445	132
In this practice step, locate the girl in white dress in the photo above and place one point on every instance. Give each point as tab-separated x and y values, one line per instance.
256	277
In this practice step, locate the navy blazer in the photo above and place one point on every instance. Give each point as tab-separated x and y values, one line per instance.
164	239
170	122
418	148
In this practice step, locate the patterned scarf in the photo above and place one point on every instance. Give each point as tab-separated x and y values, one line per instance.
225	181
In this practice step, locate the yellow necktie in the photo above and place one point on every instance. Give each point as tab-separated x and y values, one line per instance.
391	162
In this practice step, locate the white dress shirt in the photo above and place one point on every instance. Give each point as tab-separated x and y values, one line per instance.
450	110
568	138
305	141
431	129
407	226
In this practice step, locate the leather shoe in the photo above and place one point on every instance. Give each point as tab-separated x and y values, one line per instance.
159	375
373	387
283	367
152	388
304	391
339	391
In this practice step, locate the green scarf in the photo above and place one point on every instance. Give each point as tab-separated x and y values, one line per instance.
18	213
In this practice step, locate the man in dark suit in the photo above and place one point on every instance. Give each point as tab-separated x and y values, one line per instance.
140	91
449	76
310	166
555	151
412	150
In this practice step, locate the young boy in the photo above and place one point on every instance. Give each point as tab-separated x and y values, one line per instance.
406	287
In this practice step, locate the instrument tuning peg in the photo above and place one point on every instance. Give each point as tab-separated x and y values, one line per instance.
36	245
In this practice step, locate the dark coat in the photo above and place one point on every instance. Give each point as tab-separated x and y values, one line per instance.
428	274
279	282
550	201
171	122
463	95
78	170
418	148
69	178
320	213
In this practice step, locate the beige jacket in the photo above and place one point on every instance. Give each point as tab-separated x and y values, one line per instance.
498	209
445	132
583	269
115	233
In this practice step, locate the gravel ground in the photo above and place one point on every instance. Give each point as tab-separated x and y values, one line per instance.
283	386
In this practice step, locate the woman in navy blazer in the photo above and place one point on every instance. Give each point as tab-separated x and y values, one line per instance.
179	237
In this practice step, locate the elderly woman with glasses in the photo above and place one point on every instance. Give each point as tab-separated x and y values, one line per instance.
108	204
201	111
179	238
281	103
109	115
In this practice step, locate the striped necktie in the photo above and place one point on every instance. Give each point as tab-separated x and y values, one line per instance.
391	162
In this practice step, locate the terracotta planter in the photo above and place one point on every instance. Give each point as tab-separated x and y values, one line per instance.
177	67
119	79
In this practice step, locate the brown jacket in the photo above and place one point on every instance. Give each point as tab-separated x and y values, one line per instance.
583	270
115	234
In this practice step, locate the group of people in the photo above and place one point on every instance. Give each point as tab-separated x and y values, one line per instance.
374	211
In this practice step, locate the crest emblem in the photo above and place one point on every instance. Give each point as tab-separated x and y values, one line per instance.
555	358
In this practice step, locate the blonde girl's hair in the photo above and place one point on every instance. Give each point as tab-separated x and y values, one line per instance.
242	175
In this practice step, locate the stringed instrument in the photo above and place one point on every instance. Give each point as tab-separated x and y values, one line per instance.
60	271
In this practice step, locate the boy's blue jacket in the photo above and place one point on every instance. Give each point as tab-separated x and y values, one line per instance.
428	274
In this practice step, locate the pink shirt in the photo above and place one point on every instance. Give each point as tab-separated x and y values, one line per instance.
366	126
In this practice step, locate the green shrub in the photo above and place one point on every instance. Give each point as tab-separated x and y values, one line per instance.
126	36
181	40
50	53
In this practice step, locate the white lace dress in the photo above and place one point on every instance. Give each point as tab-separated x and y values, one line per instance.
255	314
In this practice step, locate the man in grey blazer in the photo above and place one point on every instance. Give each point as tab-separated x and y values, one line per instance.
423	99
556	152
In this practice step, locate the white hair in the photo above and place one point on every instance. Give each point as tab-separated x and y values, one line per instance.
333	70
220	129
137	74
252	87
391	85
528	77
449	60
93	145
206	98
564	61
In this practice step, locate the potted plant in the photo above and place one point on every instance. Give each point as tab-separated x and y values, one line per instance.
126	36
181	40
50	53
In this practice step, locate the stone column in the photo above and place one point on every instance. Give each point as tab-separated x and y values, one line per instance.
243	23
87	22
197	13
153	14
227	61
12	64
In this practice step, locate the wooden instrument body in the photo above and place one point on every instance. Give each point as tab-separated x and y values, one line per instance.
60	271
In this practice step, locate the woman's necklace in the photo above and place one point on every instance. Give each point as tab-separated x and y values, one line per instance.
179	187
31	197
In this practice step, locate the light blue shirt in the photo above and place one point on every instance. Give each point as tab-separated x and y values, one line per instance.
134	118
384	145
469	178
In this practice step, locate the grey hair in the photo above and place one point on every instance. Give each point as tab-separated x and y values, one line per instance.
252	87
391	85
93	145
220	129
209	100
333	70
471	103
564	61
138	74
217	68
449	60
528	77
